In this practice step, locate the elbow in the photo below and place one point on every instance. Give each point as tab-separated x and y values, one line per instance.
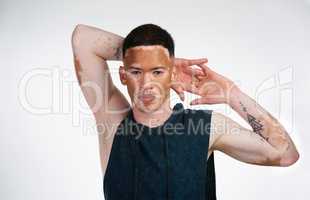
283	160
289	160
77	35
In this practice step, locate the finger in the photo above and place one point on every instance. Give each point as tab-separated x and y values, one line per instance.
199	101
194	71
197	61
209	72
199	77
179	90
208	100
191	88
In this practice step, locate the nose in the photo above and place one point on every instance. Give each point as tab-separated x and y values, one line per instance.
147	81
147	77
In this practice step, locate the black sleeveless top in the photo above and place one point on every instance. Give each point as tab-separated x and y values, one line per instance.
168	162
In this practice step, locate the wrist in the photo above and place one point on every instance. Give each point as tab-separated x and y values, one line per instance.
233	95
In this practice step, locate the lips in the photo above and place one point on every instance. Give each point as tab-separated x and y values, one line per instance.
146	98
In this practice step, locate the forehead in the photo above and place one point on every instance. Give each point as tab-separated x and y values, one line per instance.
147	56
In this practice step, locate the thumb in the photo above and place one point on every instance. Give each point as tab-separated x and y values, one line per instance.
179	90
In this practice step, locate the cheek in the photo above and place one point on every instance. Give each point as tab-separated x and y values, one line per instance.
165	82
132	86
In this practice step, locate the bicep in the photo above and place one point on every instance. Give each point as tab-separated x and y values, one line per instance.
95	81
240	143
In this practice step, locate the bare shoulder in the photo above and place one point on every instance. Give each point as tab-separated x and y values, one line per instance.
215	121
220	125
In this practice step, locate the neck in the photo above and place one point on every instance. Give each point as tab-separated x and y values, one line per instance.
156	118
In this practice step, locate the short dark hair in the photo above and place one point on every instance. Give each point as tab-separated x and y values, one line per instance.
149	34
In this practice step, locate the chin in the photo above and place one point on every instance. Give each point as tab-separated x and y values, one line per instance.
148	107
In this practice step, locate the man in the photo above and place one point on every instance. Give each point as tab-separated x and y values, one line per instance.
147	149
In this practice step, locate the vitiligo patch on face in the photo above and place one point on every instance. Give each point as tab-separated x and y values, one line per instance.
150	48
137	65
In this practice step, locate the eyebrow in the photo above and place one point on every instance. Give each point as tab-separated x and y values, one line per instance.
135	65
138	68
158	67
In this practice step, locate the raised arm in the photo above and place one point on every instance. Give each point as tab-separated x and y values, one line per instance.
268	143
92	47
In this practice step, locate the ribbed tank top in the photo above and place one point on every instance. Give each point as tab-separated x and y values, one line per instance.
168	162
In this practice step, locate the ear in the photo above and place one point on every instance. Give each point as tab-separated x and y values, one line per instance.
173	72
123	75
174	75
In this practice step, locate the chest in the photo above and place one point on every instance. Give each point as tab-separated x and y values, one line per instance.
157	165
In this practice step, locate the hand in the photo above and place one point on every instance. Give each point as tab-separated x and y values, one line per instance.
212	87
184	72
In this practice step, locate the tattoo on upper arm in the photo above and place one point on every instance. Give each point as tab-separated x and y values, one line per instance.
113	45
255	123
118	52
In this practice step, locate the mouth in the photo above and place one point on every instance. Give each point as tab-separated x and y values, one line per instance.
146	98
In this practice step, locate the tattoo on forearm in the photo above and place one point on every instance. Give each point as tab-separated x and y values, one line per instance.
254	123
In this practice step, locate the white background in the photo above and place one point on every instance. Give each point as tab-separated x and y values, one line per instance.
262	45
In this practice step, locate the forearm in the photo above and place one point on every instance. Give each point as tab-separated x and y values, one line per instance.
263	123
99	42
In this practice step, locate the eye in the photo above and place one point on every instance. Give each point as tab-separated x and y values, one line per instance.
158	72
135	72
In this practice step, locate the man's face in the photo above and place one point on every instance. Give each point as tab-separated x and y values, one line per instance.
147	74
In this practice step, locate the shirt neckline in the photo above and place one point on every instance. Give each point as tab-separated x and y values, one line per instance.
175	111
